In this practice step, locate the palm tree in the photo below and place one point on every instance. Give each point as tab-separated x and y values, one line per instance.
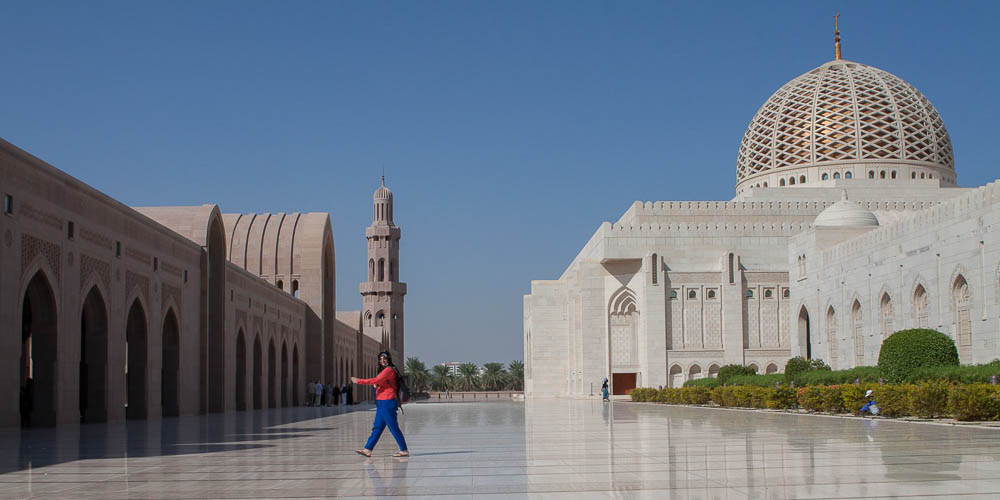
516	375
467	376
416	374
492	377
440	378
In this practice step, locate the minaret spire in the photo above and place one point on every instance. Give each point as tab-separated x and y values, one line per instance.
836	37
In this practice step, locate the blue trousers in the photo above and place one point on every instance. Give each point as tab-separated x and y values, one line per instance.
385	415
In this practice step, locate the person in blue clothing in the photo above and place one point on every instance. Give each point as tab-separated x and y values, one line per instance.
870	405
604	390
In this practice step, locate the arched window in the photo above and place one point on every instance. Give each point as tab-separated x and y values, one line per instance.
791	181
673	293
881	175
765	183
768	293
848	175
871	174
692	294
753	366
913	175
295	288
920	306
831	335
368	318
826	176
858	329
749	294
962	307
885	314
371	269
732	269
654	267
893	174
381	269
781	182
802	179
786	293
281	285
923	175
392	270
771	368
380	319
711	294
836	175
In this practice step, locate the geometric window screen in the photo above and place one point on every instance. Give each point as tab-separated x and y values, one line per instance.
844	111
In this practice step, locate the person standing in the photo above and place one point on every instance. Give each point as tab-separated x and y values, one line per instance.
335	395
311	392
604	390
319	394
343	394
386	387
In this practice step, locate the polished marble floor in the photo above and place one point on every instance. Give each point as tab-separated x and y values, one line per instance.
565	449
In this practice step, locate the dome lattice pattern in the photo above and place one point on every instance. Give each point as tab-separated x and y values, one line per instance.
844	112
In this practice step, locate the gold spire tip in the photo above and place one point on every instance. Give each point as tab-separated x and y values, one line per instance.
836	36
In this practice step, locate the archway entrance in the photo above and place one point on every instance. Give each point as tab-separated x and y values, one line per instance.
258	372
805	337
272	376
284	374
135	362
295	376
241	372
38	353
93	358
171	366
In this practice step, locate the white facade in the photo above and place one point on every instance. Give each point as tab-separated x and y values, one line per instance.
674	290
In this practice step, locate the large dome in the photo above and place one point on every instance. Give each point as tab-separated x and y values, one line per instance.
844	118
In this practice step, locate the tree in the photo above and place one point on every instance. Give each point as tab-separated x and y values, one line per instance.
492	378
468	375
515	375
416	374
441	378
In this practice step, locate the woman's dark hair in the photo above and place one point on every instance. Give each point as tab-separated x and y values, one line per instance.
388	357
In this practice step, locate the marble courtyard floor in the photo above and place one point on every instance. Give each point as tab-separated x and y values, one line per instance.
568	449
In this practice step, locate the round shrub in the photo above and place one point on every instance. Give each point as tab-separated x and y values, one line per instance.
906	351
795	366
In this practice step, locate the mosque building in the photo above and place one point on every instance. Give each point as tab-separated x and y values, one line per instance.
847	225
112	312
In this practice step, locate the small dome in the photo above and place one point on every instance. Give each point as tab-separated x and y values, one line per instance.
383	193
845	213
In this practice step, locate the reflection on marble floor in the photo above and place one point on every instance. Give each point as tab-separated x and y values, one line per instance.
539	449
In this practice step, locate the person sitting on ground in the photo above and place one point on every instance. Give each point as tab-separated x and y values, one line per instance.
870	405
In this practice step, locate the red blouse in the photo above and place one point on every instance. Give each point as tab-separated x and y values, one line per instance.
385	384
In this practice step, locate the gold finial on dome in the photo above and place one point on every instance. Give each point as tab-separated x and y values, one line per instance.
836	37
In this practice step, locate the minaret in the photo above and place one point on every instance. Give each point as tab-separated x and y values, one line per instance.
382	304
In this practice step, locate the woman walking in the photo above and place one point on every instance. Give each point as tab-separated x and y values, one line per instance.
386	385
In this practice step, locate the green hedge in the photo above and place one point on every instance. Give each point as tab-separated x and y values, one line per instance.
965	374
758	380
907	351
703	382
728	371
930	399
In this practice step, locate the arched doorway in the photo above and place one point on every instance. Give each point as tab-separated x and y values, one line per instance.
258	373
623	316
805	337
171	351
694	373
920	307
284	374
885	315
272	376
241	371
135	361
93	358
214	367
295	376
39	332
676	376
962	307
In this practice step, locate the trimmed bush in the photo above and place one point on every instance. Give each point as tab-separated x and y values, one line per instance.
975	402
703	382
733	370
757	380
967	374
906	351
643	394
781	398
833	401
811	397
796	365
930	399
829	377
853	396
893	400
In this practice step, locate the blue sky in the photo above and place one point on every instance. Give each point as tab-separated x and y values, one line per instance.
508	130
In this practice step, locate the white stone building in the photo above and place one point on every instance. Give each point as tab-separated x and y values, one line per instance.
847	225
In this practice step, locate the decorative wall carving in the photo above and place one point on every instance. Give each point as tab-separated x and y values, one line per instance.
41	216
138	256
95	239
170	292
90	265
32	247
137	280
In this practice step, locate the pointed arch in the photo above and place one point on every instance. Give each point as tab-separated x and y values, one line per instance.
961	306
258	373
694	372
805	332
753	366
858	328
93	357
170	366
136	353
295	375
39	353
921	304
771	368
676	377
885	310
832	335
284	374
241	370
272	375
713	370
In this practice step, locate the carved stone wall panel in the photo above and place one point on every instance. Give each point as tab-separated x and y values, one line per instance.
137	280
138	256
41	216
95	239
171	269
88	266
170	292
32	247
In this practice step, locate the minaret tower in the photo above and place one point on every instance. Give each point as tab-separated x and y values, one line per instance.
382	314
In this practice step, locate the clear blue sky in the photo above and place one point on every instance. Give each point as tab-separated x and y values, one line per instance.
508	130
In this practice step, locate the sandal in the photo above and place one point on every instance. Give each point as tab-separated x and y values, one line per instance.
399	454
363	452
